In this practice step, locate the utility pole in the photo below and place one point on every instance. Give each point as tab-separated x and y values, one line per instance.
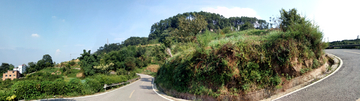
107	41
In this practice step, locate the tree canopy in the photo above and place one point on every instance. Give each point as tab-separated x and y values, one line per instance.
214	22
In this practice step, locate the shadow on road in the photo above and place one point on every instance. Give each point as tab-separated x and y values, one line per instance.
146	87
146	79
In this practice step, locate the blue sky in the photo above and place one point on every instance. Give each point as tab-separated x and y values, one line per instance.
31	28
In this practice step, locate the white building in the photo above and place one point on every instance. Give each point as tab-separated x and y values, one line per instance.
21	68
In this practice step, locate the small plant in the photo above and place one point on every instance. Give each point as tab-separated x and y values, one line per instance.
329	68
288	77
278	87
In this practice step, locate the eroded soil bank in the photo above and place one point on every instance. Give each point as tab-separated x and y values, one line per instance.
268	94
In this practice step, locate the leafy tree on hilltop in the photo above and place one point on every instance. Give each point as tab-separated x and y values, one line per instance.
5	67
290	17
191	25
88	61
47	60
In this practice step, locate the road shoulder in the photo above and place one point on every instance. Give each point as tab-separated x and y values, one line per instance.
334	68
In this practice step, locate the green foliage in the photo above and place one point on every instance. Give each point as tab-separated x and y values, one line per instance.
110	79
72	63
192	24
88	61
121	71
5	67
247	26
93	85
66	70
47	61
345	42
130	63
26	89
42	76
74	85
248	60
289	18
4	95
135	41
227	30
214	22
60	87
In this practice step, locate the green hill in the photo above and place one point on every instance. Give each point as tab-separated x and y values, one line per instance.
236	63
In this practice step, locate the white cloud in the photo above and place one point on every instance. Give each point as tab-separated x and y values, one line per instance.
57	52
35	35
232	12
54	17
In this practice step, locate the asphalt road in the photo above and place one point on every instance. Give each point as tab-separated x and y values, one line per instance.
344	85
140	90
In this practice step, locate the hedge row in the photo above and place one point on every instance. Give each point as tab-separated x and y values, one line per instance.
35	89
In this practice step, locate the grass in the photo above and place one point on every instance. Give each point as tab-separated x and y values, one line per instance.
246	60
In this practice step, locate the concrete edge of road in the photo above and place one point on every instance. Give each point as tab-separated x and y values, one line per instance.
86	96
161	94
337	69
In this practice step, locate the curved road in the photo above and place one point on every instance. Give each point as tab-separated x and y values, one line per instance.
344	85
140	90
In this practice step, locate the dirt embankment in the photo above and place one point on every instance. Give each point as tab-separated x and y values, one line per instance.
287	86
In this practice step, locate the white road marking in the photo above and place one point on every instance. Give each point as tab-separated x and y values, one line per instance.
341	63
156	91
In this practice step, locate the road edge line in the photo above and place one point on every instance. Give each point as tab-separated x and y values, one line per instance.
338	68
157	89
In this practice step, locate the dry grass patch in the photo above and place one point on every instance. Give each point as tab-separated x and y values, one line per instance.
153	68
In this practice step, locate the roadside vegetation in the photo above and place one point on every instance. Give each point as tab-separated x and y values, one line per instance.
199	53
235	63
55	81
346	42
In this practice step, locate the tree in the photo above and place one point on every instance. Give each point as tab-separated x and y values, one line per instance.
31	68
5	67
130	63
88	61
191	25
47	61
247	26
289	17
40	65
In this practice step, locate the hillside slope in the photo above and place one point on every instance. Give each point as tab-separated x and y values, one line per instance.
241	62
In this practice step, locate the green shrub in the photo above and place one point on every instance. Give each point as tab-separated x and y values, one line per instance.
110	79
26	89
75	86
47	87
5	94
72	63
121	71
60	87
93	85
